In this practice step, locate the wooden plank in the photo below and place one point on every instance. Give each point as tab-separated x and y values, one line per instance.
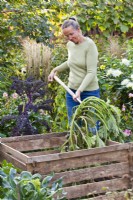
78	153
31	168
17	163
38	153
60	164
35	143
111	142
113	196
96	188
30	142
32	137
13	152
131	164
94	173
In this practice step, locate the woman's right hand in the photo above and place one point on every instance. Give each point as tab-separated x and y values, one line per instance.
51	76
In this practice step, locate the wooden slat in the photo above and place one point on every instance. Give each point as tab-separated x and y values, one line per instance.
131	164
78	153
32	137
114	196
38	153
30	142
94	173
96	188
13	152
16	162
37	144
34	143
59	164
110	142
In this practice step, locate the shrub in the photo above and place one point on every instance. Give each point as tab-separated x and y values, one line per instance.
116	82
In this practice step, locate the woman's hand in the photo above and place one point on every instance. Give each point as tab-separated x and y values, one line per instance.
51	76
77	95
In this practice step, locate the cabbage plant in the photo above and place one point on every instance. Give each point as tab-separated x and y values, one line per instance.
25	186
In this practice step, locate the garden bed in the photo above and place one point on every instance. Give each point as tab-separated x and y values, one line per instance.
86	173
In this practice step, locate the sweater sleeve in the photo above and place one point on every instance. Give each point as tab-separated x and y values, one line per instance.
62	67
91	64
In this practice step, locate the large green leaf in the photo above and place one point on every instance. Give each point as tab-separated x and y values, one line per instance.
124	28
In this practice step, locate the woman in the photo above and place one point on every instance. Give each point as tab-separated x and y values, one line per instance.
82	64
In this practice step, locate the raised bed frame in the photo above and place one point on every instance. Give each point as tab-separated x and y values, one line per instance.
87	174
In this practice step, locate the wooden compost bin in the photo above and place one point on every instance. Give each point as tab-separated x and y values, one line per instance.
87	174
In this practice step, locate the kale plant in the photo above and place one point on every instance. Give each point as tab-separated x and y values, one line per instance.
32	95
24	185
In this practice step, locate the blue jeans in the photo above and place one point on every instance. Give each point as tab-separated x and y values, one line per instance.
70	103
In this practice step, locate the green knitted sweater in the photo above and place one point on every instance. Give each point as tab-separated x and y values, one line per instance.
82	64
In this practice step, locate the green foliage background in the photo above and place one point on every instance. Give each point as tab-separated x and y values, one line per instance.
41	20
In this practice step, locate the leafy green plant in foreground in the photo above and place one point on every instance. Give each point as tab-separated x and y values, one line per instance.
26	186
87	114
26	120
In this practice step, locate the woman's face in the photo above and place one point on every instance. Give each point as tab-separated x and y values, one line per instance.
72	34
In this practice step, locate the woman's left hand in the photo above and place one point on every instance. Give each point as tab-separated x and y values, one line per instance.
76	95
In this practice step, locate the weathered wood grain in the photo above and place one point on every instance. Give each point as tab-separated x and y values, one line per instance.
93	174
42	141
39	153
96	188
112	196
13	160
32	137
81	153
15	153
85	172
58	162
